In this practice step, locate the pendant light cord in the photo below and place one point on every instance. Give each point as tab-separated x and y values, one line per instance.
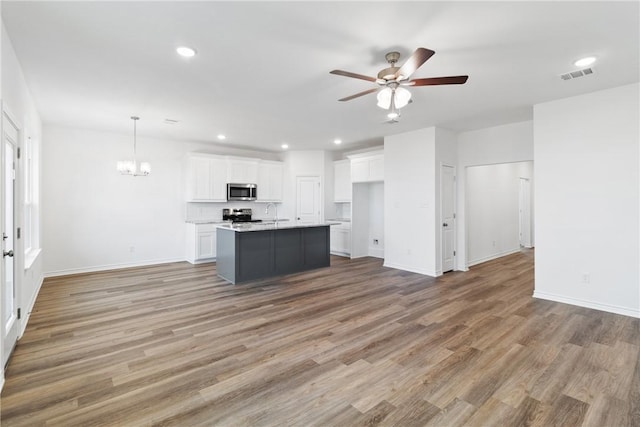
135	159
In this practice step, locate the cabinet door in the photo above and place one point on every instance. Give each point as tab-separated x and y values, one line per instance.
264	182
342	181
218	180
199	179
376	168
333	239
340	240
242	171
346	242
275	182
360	170
206	245
270	182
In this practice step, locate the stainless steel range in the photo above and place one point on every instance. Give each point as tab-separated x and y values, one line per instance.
238	215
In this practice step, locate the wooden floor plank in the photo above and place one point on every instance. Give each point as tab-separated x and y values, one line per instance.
353	344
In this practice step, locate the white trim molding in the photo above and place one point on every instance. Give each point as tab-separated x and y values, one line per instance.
111	267
588	304
412	269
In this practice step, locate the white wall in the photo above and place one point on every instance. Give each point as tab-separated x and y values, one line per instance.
587	187
17	100
95	216
492	209
499	144
410	186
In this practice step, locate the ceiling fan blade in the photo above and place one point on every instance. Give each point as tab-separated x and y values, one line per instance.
354	75
366	92
433	81
416	60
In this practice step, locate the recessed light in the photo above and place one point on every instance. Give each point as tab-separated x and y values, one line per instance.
337	141
185	51
284	146
584	62
221	137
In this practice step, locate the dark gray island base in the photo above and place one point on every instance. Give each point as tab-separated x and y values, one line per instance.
255	252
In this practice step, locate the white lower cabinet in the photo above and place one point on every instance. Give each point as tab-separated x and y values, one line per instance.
201	243
340	236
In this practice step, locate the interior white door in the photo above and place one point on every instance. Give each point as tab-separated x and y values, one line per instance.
447	197
308	199
525	212
9	297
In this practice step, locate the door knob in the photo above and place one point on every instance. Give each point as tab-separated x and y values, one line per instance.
5	253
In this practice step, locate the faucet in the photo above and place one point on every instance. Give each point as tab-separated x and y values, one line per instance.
275	217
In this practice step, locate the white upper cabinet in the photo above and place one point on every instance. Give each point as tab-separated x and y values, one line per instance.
270	177
367	167
342	181
242	171
206	178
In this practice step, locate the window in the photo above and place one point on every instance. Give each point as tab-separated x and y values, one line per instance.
30	231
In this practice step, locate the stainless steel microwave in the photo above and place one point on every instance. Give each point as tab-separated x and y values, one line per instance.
242	192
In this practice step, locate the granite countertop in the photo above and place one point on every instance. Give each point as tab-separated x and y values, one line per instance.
220	221
340	219
262	226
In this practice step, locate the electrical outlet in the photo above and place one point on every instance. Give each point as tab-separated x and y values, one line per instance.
586	278
132	249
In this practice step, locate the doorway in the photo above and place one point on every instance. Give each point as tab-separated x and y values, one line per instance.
308	199
525	213
448	216
9	294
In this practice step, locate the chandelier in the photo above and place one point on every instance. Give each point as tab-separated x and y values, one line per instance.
130	167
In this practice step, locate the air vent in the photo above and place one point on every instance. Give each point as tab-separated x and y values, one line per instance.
576	74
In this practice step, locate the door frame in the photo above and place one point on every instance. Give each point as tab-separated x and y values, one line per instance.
17	248
455	219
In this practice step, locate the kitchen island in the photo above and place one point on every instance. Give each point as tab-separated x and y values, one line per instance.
257	251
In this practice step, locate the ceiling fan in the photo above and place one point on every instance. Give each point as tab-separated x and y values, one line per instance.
391	93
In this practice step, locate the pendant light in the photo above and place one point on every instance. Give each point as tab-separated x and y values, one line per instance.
130	167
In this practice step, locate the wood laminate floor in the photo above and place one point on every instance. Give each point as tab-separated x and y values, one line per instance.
353	344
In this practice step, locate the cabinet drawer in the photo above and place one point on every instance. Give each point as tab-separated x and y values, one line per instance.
205	228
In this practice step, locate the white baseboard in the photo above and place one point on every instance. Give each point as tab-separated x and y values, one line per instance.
97	268
410	268
1	380
376	252
343	254
27	310
201	261
492	256
625	311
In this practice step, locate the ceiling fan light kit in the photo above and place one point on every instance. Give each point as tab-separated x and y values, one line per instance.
391	96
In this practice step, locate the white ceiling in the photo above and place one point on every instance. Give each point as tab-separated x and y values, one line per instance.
262	72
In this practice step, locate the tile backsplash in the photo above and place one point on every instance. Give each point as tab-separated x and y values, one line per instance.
213	211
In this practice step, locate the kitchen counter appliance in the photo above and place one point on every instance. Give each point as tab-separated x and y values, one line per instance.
238	215
242	192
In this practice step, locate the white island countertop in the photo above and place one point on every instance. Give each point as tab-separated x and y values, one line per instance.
263	226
